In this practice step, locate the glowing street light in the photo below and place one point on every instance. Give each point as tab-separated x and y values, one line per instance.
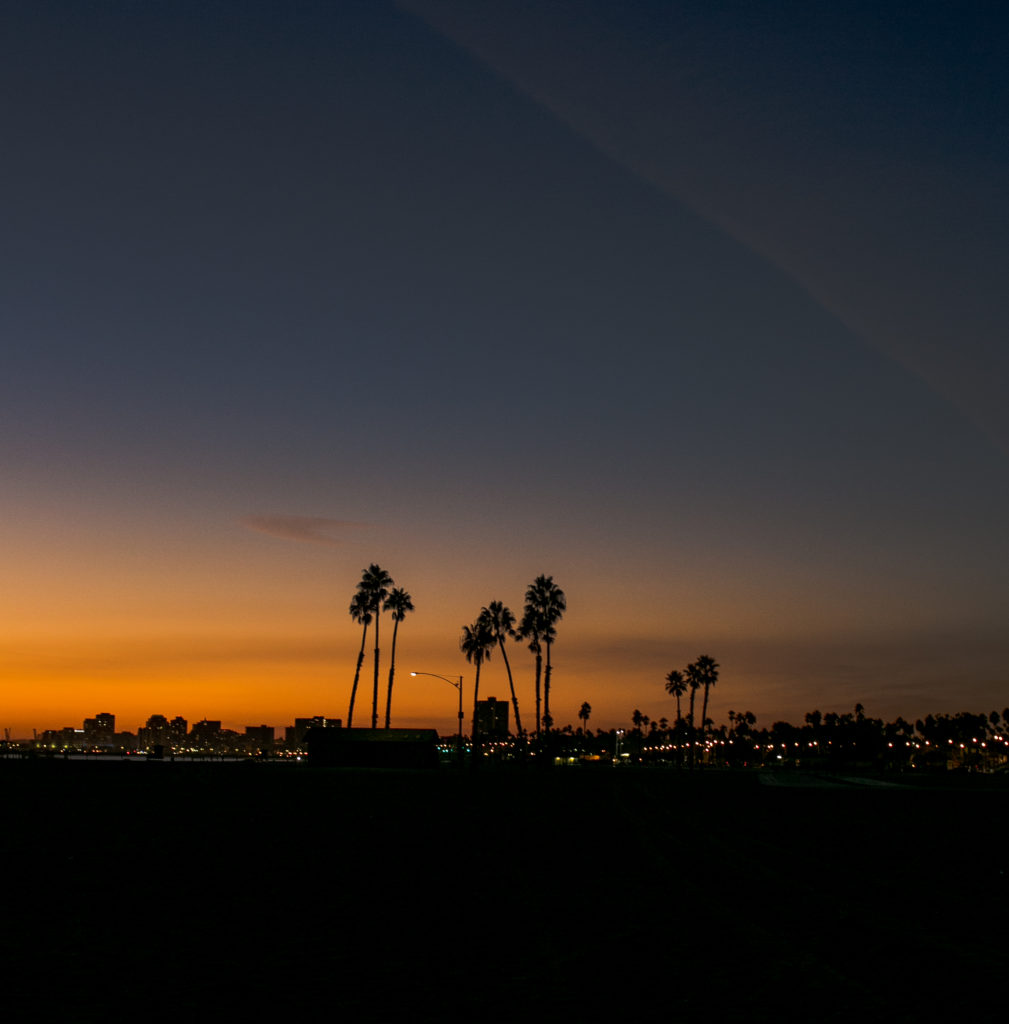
451	680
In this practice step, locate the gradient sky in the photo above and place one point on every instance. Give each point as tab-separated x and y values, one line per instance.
698	307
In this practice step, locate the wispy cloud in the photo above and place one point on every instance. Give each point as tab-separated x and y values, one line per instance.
308	529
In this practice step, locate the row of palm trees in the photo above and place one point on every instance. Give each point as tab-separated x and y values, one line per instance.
376	594
961	740
545	605
700	673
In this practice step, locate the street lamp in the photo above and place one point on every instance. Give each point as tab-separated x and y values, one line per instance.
451	680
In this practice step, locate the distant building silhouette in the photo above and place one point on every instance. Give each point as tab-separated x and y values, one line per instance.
67	738
260	738
159	732
99	734
206	735
155	733
492	718
100	731
178	730
294	735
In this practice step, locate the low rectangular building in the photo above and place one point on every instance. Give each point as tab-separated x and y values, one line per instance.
373	748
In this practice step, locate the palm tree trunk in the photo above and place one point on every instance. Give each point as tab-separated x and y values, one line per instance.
704	711
539	670
679	733
546	687
511	686
693	732
392	672
374	688
474	738
357	676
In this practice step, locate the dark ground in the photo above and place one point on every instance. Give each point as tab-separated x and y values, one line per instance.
148	891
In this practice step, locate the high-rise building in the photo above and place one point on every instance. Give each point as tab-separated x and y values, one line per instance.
156	733
100	731
205	735
294	735
492	718
260	738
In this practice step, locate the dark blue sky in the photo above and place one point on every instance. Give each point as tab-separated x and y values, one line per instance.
698	307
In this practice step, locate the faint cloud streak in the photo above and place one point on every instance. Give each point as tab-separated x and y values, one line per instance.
902	250
306	529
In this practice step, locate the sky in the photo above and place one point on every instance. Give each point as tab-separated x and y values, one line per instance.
698	308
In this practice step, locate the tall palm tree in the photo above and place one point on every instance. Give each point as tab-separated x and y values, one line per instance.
530	629
708	669
695	682
502	624
360	611
375	584
548	603
555	607
676	686
399	603
549	636
476	643
583	713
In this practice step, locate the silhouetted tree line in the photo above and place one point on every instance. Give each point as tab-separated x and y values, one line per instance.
828	740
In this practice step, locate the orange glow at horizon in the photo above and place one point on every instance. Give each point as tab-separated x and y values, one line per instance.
216	621
272	676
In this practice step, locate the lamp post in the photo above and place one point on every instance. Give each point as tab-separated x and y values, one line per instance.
451	680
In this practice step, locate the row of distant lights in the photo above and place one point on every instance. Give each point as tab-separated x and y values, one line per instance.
709	744
144	752
706	745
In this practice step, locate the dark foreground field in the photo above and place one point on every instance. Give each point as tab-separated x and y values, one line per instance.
147	891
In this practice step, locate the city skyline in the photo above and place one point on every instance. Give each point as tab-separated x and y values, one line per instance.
104	723
697	309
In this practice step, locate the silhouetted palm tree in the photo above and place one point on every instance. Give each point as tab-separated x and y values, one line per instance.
708	670
375	584
676	686
583	713
399	603
530	629
360	611
694	681
502	624
548	603
476	643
